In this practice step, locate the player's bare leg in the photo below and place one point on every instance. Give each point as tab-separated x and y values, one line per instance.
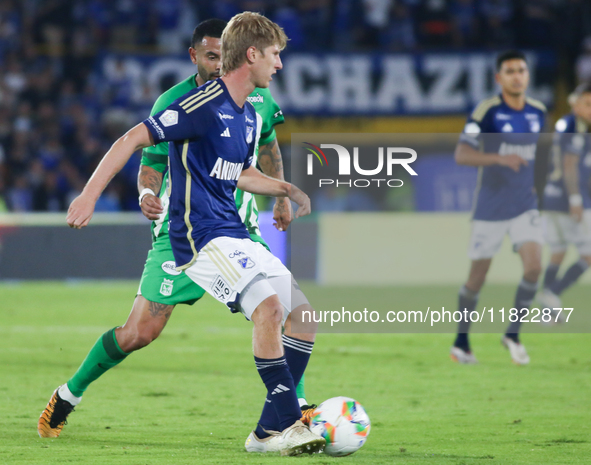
553	287
467	300
296	438
144	324
531	257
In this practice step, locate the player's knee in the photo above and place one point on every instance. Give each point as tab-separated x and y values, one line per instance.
532	273
302	320
132	339
269	311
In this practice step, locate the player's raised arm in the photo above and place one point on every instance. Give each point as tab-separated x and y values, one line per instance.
255	182
82	208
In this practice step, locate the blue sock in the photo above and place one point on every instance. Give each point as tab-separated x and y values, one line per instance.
297	354
570	277
467	301
523	298
550	275
281	389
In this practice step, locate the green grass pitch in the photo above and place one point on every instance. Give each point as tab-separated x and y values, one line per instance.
193	395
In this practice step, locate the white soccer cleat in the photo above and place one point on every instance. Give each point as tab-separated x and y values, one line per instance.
462	356
298	439
268	444
548	299
517	350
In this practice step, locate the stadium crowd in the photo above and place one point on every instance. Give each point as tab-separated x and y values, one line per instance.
57	118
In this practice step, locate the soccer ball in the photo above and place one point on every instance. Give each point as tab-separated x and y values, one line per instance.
342	421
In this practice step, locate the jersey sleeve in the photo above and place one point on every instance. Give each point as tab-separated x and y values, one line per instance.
471	134
479	122
272	116
178	123
156	156
569	139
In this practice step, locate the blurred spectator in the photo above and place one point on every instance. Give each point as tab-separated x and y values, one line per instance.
497	17
434	23
465	23
536	29
400	33
58	115
583	66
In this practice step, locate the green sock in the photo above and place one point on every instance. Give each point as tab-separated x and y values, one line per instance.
104	355
300	392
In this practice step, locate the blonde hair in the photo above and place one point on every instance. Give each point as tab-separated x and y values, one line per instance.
247	30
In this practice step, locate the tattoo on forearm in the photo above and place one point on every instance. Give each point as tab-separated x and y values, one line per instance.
160	310
270	160
149	178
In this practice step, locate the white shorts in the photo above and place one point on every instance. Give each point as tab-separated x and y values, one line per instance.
225	266
487	236
561	230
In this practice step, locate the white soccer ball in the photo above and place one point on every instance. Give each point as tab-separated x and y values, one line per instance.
342	421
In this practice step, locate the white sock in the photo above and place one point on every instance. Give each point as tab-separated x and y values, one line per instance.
301	401
66	395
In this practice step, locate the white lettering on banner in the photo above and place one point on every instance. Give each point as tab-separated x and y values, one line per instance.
354	84
294	74
349	85
399	81
447	73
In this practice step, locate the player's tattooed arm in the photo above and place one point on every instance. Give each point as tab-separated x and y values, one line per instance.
149	178
571	182
271	164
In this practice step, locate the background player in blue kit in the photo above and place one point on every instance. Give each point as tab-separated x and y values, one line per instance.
213	131
567	203
500	138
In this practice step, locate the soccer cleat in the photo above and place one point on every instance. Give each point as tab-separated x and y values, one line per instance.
298	439
549	300
268	444
517	350
460	355
308	412
53	418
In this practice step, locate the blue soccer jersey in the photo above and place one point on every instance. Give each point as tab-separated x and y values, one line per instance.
495	127
571	137
211	141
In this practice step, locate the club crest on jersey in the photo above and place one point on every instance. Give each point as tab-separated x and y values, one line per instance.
226	170
166	287
249	133
169	118
246	263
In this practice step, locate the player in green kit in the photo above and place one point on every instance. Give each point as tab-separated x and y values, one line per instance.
161	286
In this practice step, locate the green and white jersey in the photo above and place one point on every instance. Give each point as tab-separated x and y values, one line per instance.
156	157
